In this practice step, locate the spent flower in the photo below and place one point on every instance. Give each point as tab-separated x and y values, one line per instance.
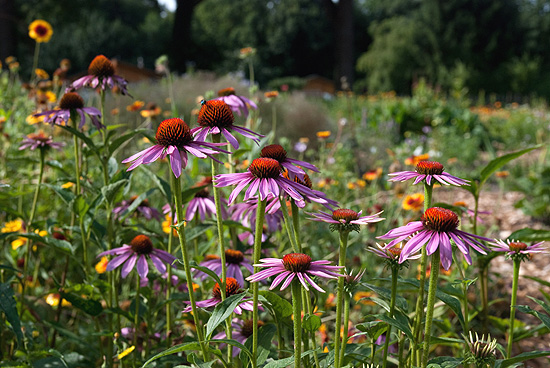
428	170
343	219
71	103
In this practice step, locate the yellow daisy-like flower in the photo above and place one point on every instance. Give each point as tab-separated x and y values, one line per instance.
19	242
414	160
53	300
125	352
323	134
31	119
413	202
13	226
166	225
67	185
41	73
101	266
40	31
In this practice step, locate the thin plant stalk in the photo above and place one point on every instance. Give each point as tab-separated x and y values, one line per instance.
260	214
176	185
289	229
136	312
296	223
434	275
169	290
340	298
347	299
297	312
309	310
428	189
394	272
517	263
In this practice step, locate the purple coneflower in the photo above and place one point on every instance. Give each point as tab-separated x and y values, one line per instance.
39	140
428	170
234	260
216	117
139	249
245	213
344	219
436	228
278	153
175	140
242	330
293	265
238	104
232	287
514	248
391	254
71	101
143	209
101	73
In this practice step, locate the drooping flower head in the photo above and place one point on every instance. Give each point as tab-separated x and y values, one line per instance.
232	287
143	209
40	31
238	104
174	139
234	260
295	265
344	219
436	228
216	117
428	170
71	102
41	141
101	73
392	255
203	202
139	249
517	249
278	153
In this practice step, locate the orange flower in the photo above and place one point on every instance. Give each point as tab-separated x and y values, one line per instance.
414	160
151	111
502	174
373	174
247	51
135	106
41	73
271	94
323	134
101	266
40	31
361	297
413	202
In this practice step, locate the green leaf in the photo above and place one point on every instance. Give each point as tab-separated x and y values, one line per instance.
521	357
110	191
400	321
162	184
386	295
265	339
530	235
80	206
233	343
62	245
282	363
541	303
373	328
89	306
173	350
207	271
222	311
543	317
82	136
135	204
498	162
445	362
9	307
122	139
197	231
66	195
280	306
311	322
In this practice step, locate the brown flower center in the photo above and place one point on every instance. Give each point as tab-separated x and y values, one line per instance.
215	113
203	193
296	262
439	219
247	328
40	136
265	168
394	251
232	287
429	168
142	244
344	214
517	246
101	67
234	256
71	100
41	30
210	257
173	132
274	151
226	92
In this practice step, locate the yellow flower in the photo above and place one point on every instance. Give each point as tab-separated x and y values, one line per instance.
413	202
53	300
361	295
19	242
13	226
2	119
14	67
351	185
40	31
361	183
166	225
41	73
10	59
67	185
31	119
323	134
101	266
125	352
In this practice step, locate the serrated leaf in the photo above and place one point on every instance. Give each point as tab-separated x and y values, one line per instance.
280	306
311	322
110	191
89	306
498	162
530	235
173	350
222	311
265	338
9	307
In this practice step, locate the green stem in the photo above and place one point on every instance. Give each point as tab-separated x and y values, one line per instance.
136	313
309	310
296	223
260	214
434	275
346	328
176	185
289	230
401	350
517	263
297	312
394	272
340	297
169	291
